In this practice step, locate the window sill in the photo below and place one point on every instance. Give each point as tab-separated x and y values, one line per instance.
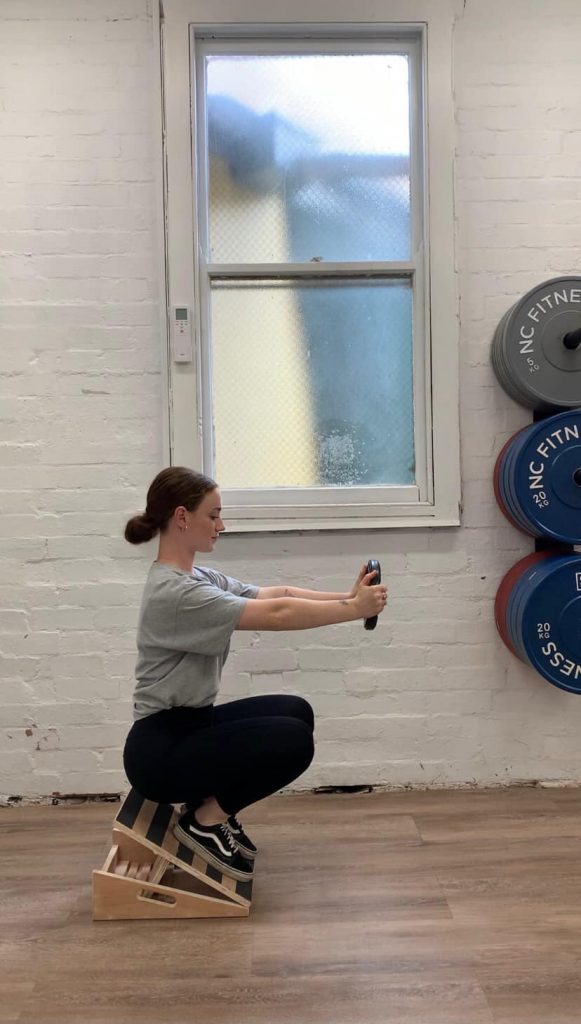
425	520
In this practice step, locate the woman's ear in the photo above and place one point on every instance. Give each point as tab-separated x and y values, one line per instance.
179	517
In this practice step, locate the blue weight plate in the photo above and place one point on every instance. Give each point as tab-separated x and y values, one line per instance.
530	577
507	485
543	477
528	585
499	486
526	507
549	621
519	590
519	595
510	617
512	494
504	592
508	489
502	478
496	475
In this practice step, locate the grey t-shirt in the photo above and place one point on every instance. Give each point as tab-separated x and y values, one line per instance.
183	636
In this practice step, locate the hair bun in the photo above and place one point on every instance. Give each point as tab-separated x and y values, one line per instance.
140	529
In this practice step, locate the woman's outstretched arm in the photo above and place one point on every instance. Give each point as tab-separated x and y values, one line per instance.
302	613
274	593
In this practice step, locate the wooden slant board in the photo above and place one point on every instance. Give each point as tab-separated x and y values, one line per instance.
148	873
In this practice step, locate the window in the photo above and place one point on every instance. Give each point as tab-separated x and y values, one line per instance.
298	232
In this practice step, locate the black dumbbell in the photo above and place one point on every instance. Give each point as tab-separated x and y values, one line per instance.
373	566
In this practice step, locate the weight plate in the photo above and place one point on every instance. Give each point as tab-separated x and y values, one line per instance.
500	484
506	483
511	493
510	384
549	621
515	600
496	478
518	597
504	591
496	353
541	477
530	358
520	594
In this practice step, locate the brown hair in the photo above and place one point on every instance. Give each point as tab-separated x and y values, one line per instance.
172	487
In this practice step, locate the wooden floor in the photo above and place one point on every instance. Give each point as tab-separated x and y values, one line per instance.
439	908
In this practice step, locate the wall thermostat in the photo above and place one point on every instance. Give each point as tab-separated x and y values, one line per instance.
182	347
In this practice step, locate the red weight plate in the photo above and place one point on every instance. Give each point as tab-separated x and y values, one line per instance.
504	591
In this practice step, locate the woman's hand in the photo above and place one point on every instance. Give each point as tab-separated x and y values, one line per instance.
369	599
362	574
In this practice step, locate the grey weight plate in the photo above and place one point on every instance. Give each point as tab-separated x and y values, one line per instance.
500	364
496	350
533	360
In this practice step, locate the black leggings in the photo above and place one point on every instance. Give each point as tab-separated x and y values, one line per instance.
238	752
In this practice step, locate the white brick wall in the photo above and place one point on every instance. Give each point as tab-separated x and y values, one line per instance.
430	698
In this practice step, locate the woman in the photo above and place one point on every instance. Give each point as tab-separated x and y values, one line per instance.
181	747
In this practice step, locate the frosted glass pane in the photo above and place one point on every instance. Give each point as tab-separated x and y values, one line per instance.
312	383
308	158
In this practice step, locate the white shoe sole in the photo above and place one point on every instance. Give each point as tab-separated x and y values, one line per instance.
247	854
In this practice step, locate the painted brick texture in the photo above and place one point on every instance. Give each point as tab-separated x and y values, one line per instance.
431	697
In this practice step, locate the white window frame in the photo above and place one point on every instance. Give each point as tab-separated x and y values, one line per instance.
436	499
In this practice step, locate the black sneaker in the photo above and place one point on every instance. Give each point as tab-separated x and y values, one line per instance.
215	844
244	844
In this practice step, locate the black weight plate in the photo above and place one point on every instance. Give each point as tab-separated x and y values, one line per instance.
373	566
